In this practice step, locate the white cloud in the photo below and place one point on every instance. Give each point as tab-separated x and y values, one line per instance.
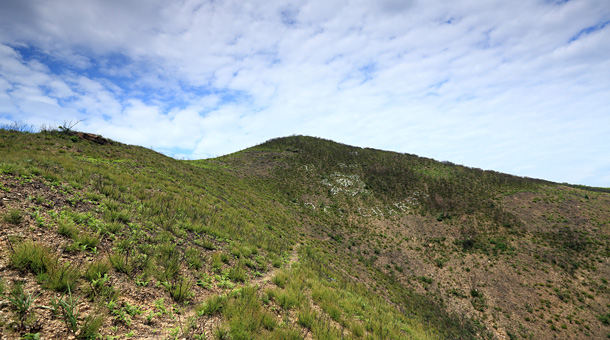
520	87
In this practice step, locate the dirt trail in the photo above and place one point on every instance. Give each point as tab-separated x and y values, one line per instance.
211	323
294	257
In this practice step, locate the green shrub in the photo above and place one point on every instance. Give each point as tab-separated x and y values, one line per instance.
92	196
217	262
237	274
207	244
357	329
250	263
193	258
168	258
88	240
97	269
62	277
212	306
286	334
276	261
181	290
246	251
268	321
117	216
287	299
604	318
306	318
111	205
90	328
121	261
67	228
235	251
21	301
32	256
479	302
38	259
281	279
13	216
114	227
322	329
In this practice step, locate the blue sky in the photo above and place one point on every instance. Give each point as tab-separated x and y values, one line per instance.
521	87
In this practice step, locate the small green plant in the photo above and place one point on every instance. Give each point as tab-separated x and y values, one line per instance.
193	258
142	280
604	318
181	290
90	327
54	307
151	315
281	279
237	274
21	302
121	314
217	262
96	269
306	318
69	311
97	285
212	306
88	240
160	306
287	299
13	216
121	261
61	277
132	310
207	244
204	281
37	216
67	228
31	256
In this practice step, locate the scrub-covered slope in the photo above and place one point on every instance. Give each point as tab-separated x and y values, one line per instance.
101	239
526	258
297	238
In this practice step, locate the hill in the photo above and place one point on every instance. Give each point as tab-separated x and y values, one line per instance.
298	237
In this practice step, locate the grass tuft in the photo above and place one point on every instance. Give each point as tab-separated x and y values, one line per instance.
31	256
181	290
13	216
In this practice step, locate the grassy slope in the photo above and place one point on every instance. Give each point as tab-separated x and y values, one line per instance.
527	258
388	245
149	246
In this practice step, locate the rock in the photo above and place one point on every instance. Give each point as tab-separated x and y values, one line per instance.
94	138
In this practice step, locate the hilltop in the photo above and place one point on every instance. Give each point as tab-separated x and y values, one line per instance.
295	238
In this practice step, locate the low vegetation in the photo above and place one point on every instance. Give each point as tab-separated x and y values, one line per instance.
296	238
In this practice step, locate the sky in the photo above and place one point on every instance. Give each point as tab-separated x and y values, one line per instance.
521	87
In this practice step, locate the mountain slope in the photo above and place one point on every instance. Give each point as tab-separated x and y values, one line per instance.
526	257
298	237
